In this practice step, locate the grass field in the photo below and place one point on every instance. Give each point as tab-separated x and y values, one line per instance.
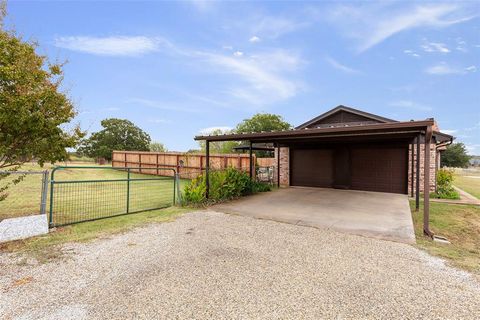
76	200
460	224
468	180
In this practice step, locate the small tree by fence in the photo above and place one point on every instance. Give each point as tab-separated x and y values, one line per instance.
186	164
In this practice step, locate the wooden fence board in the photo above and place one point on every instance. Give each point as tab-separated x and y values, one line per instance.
193	164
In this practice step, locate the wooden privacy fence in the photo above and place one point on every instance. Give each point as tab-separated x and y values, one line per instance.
188	165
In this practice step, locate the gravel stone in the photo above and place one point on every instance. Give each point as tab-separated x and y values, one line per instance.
210	265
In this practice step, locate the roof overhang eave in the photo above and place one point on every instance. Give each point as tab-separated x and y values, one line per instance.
364	130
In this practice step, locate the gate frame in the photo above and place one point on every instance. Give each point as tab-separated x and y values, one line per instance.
128	171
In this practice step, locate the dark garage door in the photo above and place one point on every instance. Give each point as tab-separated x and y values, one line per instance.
312	168
372	168
379	169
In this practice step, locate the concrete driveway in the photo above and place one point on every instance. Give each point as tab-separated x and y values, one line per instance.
372	214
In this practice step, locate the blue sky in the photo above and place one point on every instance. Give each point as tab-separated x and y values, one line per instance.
179	68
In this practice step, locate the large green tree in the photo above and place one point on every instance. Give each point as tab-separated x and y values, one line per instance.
219	146
455	156
34	111
263	122
117	134
257	123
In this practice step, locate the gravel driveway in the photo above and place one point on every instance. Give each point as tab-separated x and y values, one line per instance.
212	265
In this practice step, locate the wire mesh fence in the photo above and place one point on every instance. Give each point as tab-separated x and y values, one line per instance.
88	193
23	193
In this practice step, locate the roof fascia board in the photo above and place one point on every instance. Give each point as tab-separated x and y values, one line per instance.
419	125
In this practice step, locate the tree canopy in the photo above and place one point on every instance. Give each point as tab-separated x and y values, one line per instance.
219	146
34	111
157	147
263	122
117	134
257	123
455	156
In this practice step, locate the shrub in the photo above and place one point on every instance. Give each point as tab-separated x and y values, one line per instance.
445	188
224	185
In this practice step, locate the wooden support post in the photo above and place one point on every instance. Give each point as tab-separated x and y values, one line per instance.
140	162
207	168
250	150
426	183
278	165
157	164
412	157
417	184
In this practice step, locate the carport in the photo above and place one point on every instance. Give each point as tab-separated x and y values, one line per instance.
371	135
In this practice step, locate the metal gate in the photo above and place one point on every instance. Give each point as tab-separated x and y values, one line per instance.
80	193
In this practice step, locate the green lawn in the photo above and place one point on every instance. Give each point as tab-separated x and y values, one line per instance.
47	247
460	224
88	200
468	180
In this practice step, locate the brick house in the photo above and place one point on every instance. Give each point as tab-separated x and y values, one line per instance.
346	148
385	157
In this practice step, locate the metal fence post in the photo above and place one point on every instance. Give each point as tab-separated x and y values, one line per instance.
43	201
179	192
128	190
174	185
52	182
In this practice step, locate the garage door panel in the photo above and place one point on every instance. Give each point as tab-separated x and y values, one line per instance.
312	167
379	169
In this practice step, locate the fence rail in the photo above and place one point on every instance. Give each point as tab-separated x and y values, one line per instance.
74	198
184	163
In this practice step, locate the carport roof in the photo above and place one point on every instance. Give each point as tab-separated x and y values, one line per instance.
400	129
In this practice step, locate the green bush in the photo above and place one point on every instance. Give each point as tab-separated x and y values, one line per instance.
445	188
224	185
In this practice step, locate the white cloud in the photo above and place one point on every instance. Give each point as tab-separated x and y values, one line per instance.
254	39
371	24
471	69
210	130
339	66
111	46
461	45
262	78
449	131
410	105
445	69
435	47
273	27
411	53
238	53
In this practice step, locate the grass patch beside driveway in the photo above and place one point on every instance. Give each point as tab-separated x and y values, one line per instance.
44	248
468	180
460	224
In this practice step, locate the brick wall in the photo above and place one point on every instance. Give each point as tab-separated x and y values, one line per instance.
433	159
284	166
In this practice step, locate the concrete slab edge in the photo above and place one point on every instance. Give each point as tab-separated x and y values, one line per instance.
23	227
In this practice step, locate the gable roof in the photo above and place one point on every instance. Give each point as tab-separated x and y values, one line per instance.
342	108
